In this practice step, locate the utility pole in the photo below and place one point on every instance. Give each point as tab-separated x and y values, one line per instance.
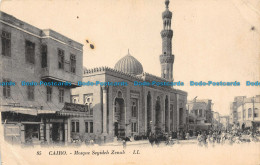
253	101
253	113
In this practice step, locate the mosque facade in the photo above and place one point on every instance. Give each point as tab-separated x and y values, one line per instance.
122	108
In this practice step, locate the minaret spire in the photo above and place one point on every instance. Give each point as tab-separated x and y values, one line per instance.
167	3
128	52
167	58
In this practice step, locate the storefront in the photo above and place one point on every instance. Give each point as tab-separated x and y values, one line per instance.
25	125
78	125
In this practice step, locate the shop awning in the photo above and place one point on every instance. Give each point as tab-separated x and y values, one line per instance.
202	124
25	110
46	111
73	113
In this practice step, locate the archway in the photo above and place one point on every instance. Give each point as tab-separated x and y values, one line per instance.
158	114
171	117
119	115
149	113
166	114
181	113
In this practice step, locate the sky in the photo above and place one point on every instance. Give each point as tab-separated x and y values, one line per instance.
214	40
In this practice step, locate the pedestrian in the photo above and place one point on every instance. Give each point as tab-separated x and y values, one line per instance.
124	144
156	141
187	136
91	142
204	139
151	139
169	141
199	139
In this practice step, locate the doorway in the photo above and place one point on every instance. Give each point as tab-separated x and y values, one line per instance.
58	132
119	115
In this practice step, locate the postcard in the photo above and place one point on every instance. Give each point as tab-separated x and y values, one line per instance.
130	82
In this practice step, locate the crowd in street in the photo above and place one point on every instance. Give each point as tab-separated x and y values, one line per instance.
205	138
169	139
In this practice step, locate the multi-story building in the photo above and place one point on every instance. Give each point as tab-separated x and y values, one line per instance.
201	110
233	113
29	55
233	109
215	121
248	113
224	123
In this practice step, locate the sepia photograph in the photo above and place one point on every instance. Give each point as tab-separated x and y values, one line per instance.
130	82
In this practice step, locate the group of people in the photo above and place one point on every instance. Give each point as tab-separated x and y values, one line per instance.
205	138
159	137
156	139
225	137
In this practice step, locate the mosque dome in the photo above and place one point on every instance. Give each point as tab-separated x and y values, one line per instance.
129	64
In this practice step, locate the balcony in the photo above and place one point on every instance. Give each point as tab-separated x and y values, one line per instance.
60	75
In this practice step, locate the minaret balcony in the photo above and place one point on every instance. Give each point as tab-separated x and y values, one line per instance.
166	58
167	33
167	14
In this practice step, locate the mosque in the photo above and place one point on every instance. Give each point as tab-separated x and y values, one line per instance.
123	108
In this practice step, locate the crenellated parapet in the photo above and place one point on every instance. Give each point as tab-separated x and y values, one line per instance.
108	70
150	77
94	70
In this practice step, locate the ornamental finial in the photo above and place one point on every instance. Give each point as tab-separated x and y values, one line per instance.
167	3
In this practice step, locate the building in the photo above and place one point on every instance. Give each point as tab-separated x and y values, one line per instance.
31	112
248	113
129	106
233	113
224	123
238	101
200	114
216	121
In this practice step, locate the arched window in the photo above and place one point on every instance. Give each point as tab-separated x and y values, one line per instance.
200	113
164	73
134	109
249	112
90	109
87	109
89	103
256	112
115	107
119	94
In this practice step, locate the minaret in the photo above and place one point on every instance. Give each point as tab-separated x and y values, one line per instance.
167	58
